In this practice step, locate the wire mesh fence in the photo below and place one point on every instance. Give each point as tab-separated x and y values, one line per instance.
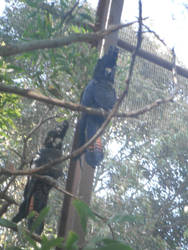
151	82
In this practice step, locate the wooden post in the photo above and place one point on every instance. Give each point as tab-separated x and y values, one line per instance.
85	192
102	16
80	175
79	183
114	19
72	186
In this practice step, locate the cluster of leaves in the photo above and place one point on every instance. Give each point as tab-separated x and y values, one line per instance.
71	242
9	112
9	104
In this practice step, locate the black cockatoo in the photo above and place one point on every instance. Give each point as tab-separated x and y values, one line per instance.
36	191
99	93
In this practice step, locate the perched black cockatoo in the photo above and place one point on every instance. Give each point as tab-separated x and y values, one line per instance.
99	93
36	191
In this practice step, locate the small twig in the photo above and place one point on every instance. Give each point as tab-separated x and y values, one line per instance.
156	35
146	108
8	185
40	123
68	14
14	151
105	220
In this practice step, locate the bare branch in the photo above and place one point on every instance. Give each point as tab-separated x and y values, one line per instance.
32	94
52	182
147	108
28	93
20	47
41	121
15	152
156	35
14	227
105	220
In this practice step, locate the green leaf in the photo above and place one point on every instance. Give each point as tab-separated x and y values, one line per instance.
71	241
75	29
86	16
84	212
30	240
51	243
39	218
8	224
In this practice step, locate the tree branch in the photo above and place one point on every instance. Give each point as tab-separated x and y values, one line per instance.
52	182
32	94
21	47
156	35
69	12
14	227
